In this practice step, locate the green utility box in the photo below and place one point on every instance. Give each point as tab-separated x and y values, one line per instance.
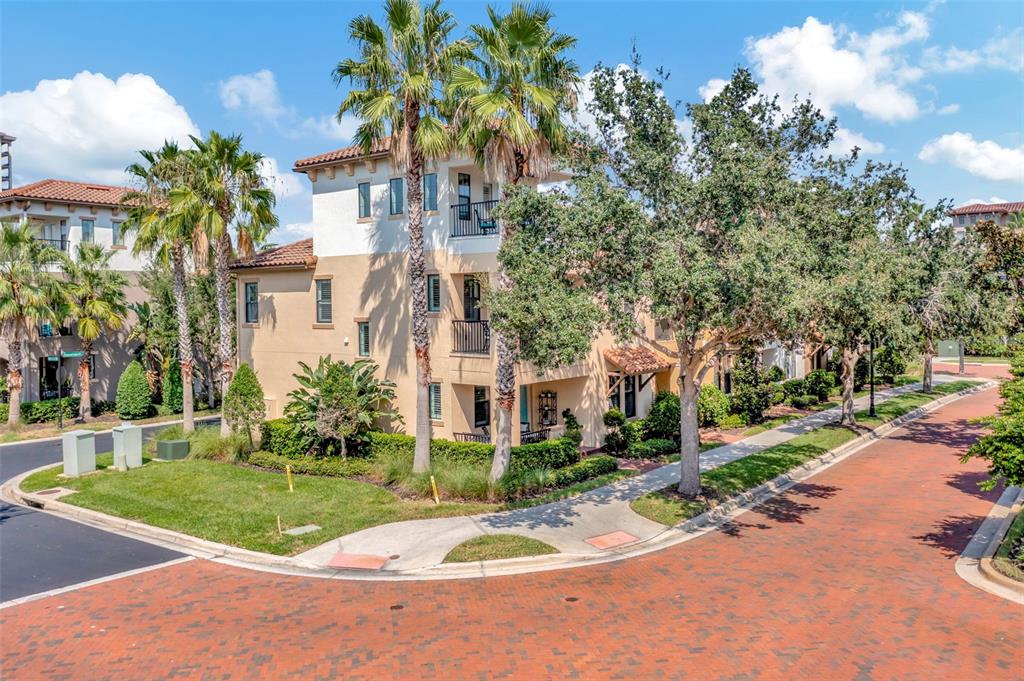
171	450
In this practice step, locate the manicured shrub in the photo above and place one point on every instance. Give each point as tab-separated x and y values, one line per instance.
101	407
173	393
529	481
776	374
751	388
732	421
803	401
614	438
573	430
552	454
712	406
588	468
794	387
278	436
663	420
820	383
889	364
43	411
243	404
651	449
133	397
548	454
633	431
328	466
778	396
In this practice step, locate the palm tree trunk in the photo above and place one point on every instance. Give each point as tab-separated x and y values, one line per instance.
505	387
418	287
14	384
689	432
185	356
849	364
225	320
929	355
85	383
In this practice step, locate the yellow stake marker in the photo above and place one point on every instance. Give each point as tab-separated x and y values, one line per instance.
433	486
288	471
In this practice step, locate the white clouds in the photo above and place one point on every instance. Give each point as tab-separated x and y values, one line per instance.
90	127
949	109
999	52
836	68
709	90
971	202
256	96
285	184
845	140
985	159
294	231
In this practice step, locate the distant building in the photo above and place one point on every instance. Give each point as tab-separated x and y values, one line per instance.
64	215
6	173
965	216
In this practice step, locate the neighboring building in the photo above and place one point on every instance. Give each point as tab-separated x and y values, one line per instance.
965	216
344	293
66	214
6	170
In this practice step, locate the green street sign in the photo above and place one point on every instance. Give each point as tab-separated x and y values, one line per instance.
75	353
53	358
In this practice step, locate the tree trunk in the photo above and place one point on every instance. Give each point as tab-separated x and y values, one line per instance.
418	301
928	356
14	384
185	356
225	320
84	383
505	379
689	433
849	364
960	353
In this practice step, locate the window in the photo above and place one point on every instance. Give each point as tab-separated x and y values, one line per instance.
395	189
430	191
433	293
434	401
88	229
364	199
117	237
252	302
324	313
613	397
465	192
364	339
629	392
961	219
471	299
481	407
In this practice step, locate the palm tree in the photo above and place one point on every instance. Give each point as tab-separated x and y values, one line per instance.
397	91
509	114
27	291
92	297
223	191
148	353
169	238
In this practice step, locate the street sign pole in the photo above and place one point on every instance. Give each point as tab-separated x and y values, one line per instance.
60	395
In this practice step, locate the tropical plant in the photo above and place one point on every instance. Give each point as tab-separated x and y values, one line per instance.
222	191
27	293
173	391
614	438
170	238
511	99
373	401
396	84
243	404
133	397
93	299
149	352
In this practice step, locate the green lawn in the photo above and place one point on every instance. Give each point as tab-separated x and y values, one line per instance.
497	546
240	506
980	359
1008	561
667	507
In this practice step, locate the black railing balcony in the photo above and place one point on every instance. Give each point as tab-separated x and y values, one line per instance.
59	244
473	437
529	437
474	219
471	337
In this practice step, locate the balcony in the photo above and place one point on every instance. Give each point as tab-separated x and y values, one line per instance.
59	244
471	337
474	219
482	438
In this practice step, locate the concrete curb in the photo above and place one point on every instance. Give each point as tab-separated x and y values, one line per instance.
975	563
672	536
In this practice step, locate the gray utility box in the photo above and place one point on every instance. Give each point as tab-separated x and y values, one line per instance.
171	450
79	452
127	446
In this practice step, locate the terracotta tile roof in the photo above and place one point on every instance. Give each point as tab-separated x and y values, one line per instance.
978	208
344	154
298	254
71	192
635	360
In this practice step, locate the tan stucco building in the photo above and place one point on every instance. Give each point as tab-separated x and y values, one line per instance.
344	293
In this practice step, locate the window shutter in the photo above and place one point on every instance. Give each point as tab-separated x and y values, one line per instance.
434	292
434	395
323	301
364	339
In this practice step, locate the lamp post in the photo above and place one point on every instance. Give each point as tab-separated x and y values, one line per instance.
871	376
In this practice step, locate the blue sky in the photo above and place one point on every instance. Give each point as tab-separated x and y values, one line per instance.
938	87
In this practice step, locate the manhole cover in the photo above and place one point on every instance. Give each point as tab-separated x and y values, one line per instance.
397	606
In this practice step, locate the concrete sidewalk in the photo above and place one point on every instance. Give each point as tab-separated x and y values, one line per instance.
565	524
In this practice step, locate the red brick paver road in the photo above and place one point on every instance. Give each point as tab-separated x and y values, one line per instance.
849	576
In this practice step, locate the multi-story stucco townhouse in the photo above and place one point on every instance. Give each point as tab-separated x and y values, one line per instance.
965	216
66	214
344	293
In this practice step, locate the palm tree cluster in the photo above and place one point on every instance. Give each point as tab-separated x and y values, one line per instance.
499	95
193	207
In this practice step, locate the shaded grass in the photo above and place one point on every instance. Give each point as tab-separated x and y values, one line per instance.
497	546
1009	558
668	507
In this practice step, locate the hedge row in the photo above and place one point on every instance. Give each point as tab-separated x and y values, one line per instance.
278	439
588	468
45	411
651	449
329	466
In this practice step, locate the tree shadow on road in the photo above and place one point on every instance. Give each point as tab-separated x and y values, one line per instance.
787	508
967	482
959	434
951	534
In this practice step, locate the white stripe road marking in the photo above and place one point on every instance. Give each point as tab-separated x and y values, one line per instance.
92	582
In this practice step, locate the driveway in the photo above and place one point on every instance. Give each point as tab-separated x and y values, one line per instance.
847	576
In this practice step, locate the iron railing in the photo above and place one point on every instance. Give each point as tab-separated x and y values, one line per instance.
532	436
59	244
473	437
474	219
471	337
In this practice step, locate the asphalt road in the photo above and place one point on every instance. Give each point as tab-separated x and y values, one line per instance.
40	551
